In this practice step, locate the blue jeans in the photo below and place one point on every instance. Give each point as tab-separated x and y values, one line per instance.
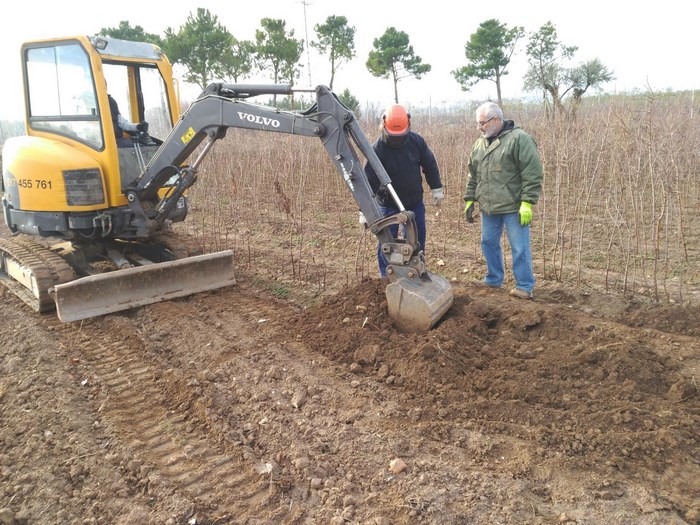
519	239
419	211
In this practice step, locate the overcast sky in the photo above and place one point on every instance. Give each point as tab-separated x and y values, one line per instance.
646	47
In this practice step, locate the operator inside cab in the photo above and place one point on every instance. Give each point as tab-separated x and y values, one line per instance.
121	124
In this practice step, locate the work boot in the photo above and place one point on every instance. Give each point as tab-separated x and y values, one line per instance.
520	293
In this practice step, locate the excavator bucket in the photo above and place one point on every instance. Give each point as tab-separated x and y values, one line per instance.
416	304
123	289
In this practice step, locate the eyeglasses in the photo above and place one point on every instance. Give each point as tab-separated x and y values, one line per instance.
479	123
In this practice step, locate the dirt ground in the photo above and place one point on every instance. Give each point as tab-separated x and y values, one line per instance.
240	407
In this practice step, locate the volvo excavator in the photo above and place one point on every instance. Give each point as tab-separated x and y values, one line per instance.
91	222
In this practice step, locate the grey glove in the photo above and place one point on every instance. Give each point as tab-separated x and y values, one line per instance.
438	194
142	127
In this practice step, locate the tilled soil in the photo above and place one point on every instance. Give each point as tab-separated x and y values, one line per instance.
238	407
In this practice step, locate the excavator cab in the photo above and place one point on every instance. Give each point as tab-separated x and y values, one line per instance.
64	183
69	125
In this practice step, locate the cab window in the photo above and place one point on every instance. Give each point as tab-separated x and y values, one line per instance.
61	93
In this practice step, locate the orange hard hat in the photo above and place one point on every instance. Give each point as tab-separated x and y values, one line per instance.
396	120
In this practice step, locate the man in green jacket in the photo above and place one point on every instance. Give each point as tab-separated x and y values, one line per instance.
505	178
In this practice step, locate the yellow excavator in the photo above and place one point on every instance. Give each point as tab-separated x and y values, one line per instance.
91	221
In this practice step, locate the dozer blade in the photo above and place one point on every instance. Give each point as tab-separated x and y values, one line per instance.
123	289
416	304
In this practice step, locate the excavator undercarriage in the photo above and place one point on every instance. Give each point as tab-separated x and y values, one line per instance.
83	280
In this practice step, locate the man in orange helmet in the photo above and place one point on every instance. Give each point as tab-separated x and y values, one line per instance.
404	154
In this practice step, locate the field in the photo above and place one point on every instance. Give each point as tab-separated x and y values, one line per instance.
290	398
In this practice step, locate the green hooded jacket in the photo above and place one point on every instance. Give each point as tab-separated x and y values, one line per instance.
504	171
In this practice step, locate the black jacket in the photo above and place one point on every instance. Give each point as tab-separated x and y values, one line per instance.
403	164
114	109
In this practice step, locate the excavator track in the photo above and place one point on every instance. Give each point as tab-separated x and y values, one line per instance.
38	269
180	246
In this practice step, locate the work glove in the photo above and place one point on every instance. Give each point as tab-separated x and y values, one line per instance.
142	127
469	211
525	213
438	194
363	219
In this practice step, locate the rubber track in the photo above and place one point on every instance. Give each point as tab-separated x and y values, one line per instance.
48	268
180	245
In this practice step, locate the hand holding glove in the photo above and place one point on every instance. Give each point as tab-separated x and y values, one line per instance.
525	213
438	195
142	127
469	211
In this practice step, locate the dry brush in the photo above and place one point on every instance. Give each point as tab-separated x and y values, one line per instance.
619	210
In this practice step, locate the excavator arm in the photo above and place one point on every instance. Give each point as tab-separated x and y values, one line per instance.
221	107
416	298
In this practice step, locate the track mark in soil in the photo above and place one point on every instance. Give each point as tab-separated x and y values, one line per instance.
136	408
